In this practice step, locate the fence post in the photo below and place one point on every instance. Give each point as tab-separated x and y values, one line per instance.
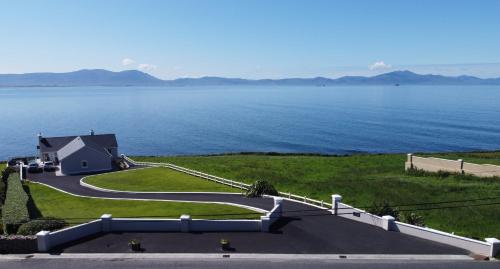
409	161
43	241
388	223
461	163
336	198
278	201
106	223
185	220
265	222
21	165
495	246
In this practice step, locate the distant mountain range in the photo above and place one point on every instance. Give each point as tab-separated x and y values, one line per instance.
99	77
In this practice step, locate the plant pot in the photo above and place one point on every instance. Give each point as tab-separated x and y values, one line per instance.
135	247
225	245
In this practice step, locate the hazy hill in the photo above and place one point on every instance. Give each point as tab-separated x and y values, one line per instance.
94	77
99	77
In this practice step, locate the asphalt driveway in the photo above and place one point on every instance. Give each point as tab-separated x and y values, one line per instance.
303	229
72	185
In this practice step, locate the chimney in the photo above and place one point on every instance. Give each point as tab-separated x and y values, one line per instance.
91	132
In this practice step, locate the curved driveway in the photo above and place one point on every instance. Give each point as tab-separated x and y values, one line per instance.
72	185
302	229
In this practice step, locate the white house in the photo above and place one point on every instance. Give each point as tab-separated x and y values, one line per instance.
79	154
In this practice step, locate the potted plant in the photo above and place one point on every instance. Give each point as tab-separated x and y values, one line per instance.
134	245
225	245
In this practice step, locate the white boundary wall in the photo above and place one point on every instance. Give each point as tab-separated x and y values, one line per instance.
455	166
475	246
47	240
490	247
349	212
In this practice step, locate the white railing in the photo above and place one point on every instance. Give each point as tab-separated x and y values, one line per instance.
229	182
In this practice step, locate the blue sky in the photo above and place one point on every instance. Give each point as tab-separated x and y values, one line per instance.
251	39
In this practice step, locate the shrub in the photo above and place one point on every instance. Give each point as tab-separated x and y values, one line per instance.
412	218
422	173
43	224
15	210
261	187
443	174
383	209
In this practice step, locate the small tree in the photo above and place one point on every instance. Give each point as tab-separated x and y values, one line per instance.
261	187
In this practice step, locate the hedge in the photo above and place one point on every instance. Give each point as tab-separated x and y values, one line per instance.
3	178
44	224
15	210
3	182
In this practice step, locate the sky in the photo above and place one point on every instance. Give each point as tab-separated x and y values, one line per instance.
251	39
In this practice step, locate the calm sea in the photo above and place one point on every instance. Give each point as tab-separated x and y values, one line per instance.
205	120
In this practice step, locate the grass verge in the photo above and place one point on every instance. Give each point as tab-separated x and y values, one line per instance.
52	203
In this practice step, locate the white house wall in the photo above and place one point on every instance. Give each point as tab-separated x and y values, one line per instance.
96	161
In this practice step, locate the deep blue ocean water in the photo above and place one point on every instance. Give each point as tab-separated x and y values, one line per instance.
208	120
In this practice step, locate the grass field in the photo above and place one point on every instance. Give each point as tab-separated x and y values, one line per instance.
50	202
364	179
156	179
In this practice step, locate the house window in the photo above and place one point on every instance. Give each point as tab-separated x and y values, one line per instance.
84	164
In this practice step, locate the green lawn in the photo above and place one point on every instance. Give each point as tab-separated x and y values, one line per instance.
50	202
362	180
156	179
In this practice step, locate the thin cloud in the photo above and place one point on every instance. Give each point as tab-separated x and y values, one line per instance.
127	62
380	65
146	67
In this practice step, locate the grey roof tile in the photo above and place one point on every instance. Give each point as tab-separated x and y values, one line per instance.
53	144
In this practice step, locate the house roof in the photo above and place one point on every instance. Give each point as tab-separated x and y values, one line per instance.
77	144
53	144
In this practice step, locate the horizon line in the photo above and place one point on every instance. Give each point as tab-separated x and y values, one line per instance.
257	79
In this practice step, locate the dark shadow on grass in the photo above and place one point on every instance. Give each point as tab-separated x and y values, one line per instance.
33	211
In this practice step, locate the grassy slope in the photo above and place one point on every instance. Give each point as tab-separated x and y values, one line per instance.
362	179
156	179
53	203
